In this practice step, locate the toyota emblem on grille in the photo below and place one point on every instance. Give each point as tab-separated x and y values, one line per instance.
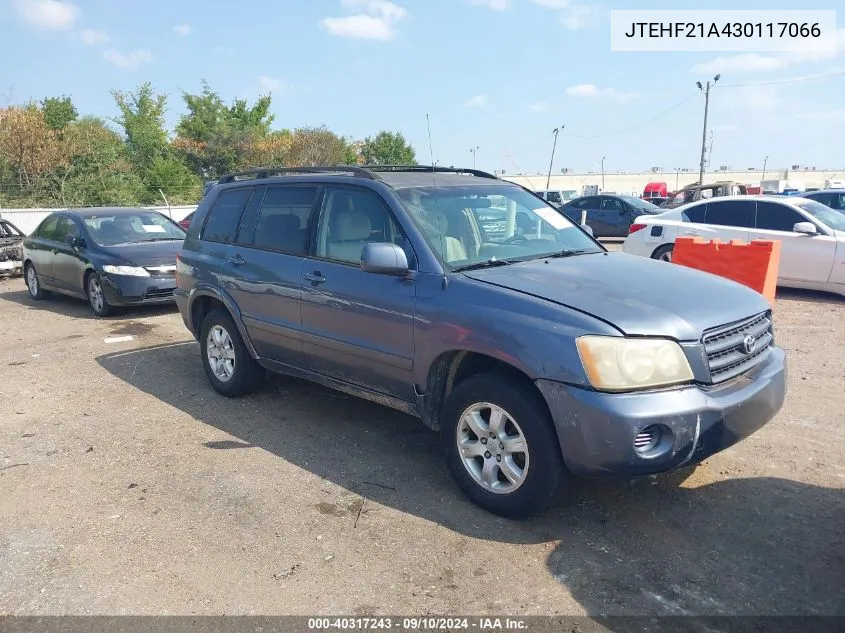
748	344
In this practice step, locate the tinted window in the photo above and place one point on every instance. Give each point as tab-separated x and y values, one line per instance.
224	217
696	213
553	196
64	228
351	218
47	230
739	213
777	217
612	204
283	219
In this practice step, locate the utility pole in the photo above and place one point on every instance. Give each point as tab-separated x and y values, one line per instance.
765	160
474	152
602	172
706	91
552	161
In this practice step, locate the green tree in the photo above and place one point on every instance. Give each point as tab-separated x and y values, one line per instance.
215	138
313	146
142	120
387	148
58	112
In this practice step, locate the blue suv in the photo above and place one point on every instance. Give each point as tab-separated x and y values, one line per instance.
535	353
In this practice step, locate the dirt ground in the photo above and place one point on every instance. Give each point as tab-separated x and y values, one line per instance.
127	486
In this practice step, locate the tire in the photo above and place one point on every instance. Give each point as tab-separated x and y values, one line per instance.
219	334
663	253
97	296
33	283
541	465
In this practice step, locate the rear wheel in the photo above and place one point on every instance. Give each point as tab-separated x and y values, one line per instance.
663	253
227	363
33	283
501	447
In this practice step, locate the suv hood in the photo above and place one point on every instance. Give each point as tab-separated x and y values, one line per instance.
639	296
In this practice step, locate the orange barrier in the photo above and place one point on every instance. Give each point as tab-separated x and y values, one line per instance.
753	264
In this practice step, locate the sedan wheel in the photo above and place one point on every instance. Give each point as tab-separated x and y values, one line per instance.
97	296
664	253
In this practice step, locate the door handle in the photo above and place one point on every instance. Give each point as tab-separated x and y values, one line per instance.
314	277
237	260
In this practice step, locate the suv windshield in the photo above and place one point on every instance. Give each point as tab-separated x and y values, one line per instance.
823	213
125	228
492	224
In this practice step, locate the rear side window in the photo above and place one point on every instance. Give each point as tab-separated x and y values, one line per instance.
772	216
283	219
224	217
553	196
739	213
47	230
696	214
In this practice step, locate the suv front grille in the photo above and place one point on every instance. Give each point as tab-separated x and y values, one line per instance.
734	349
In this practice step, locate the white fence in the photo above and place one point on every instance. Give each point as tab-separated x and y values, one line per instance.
28	219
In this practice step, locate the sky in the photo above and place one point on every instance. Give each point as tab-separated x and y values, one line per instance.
496	75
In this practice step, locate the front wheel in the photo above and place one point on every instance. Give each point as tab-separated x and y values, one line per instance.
663	253
227	363
97	296
501	446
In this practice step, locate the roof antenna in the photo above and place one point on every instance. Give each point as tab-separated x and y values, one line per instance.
436	202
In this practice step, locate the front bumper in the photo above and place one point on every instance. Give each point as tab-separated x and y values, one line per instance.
597	430
124	290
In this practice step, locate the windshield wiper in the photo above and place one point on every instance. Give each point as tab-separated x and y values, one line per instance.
163	239
490	263
571	253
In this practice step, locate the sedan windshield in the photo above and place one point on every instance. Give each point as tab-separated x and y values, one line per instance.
640	204
486	225
132	228
823	213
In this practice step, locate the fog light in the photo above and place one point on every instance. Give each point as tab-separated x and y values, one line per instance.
647	439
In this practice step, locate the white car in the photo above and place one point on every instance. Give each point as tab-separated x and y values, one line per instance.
812	235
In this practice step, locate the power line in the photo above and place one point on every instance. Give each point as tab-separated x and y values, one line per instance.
637	125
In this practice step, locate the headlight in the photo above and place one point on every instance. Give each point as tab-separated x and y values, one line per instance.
132	271
623	364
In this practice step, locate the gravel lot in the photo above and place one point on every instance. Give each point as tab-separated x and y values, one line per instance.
127	486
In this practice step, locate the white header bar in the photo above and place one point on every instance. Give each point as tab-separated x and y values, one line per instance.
723	31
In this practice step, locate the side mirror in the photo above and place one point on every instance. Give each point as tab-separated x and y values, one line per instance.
807	228
384	258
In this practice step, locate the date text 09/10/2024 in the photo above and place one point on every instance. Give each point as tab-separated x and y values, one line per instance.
418	623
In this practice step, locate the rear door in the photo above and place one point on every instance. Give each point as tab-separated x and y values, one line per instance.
728	219
43	250
358	326
802	257
611	217
264	268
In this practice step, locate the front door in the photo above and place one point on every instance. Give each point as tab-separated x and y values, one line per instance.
68	261
358	327
802	257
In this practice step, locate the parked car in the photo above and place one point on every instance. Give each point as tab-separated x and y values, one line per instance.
693	193
538	356
812	235
833	198
185	222
608	215
11	249
108	256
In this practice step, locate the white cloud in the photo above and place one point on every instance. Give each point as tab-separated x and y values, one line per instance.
376	22
272	84
92	38
589	91
478	101
578	16
182	29
51	15
495	5
753	62
130	61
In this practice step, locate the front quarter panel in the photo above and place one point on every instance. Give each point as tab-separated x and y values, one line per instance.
535	336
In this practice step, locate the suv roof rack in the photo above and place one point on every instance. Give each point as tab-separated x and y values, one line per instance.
429	169
269	172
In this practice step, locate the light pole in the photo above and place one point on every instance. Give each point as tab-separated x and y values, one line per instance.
602	172
552	161
677	173
765	160
474	152
706	91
